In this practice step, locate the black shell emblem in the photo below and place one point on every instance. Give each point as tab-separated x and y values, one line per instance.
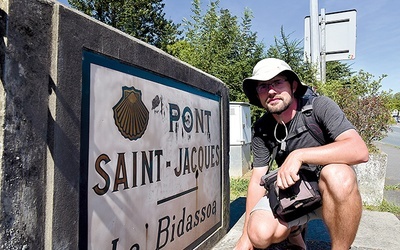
130	114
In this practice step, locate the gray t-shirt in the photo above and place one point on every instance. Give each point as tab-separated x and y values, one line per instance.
328	116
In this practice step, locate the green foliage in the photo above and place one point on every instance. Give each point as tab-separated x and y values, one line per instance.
238	188
218	44
392	187
291	52
335	70
366	107
143	19
385	207
395	103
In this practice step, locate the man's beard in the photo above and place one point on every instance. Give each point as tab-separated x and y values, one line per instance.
281	107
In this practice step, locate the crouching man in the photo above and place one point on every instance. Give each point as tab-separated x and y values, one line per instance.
276	88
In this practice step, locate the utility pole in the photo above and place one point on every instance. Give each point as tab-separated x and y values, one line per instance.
314	32
323	46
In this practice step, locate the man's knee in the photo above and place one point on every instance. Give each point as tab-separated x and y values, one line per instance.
264	229
339	180
259	230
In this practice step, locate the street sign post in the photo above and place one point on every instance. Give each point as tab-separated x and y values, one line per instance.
338	37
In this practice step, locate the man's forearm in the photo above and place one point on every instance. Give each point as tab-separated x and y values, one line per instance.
349	149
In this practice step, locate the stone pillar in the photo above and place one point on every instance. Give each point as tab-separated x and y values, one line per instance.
371	179
25	67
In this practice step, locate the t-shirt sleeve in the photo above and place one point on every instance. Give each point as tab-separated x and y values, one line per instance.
261	154
331	116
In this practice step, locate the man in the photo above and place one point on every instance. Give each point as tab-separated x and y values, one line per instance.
275	87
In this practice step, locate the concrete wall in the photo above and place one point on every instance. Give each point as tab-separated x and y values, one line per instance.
41	66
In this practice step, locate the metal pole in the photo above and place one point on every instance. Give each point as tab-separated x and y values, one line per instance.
315	45
323	46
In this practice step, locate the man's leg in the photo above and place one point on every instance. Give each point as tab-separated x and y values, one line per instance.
342	206
264	229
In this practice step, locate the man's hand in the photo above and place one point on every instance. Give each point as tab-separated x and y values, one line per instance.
288	172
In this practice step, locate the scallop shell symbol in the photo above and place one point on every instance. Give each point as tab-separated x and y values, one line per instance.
130	114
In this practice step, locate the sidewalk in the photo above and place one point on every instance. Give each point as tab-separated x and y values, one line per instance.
378	230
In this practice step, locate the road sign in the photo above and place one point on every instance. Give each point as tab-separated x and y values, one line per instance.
340	35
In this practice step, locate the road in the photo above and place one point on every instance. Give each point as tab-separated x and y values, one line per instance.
393	137
391	146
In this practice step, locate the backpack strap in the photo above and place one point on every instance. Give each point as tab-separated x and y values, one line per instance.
261	129
311	123
273	155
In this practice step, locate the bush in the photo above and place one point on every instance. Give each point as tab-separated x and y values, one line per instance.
367	108
371	118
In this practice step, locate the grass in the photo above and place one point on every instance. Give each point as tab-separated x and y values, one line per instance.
392	187
385	207
239	189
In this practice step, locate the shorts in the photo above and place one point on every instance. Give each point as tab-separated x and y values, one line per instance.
263	204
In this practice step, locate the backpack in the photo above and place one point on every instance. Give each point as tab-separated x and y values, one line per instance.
309	123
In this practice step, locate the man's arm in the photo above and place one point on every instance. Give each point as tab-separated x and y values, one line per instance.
348	148
254	193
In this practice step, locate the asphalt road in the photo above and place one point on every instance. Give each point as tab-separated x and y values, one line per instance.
393	137
391	146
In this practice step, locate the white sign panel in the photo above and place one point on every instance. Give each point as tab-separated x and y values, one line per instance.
340	42
153	159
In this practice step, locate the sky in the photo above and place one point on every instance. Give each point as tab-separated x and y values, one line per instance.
378	28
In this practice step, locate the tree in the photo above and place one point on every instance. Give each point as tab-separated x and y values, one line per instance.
394	104
291	52
336	70
143	19
216	43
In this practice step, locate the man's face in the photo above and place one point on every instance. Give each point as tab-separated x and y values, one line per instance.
276	94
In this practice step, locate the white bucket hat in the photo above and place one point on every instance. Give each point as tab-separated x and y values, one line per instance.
265	70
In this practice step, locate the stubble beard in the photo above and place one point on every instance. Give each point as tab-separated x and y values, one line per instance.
280	107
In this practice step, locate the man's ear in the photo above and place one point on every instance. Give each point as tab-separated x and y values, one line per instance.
295	84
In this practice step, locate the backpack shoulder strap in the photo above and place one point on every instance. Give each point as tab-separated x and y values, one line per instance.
310	121
261	128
